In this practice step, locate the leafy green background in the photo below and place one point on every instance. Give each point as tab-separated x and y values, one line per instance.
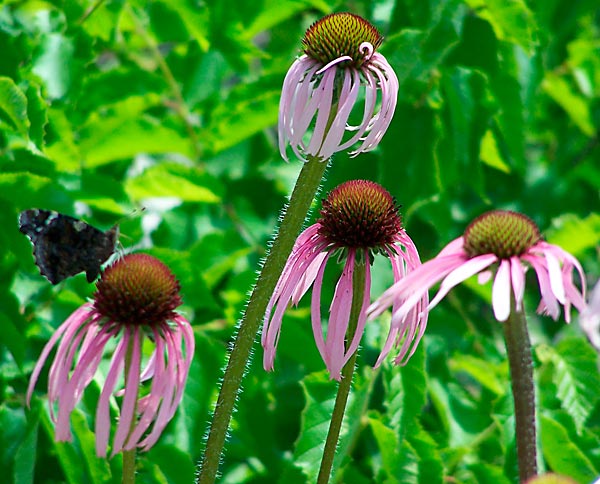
109	106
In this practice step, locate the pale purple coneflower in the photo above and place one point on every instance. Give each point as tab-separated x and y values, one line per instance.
359	219
590	317
135	298
340	58
502	242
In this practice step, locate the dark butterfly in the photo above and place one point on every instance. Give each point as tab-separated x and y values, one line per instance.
64	246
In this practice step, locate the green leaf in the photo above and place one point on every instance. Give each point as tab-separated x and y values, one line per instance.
576	377
54	64
14	431
320	393
562	453
125	129
174	180
249	110
197	21
97	468
575	106
320	398
485	473
431	465
484	372
399	462
69	460
276	11
22	186
172	465
470	106
511	20
574	233
459	412
11	336
37	113
405	392
26	455
416	55
13	107
490	154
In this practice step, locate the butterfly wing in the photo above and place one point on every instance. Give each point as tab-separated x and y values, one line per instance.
64	246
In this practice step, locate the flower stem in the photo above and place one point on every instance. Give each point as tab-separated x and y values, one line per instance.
179	104
128	476
128	467
518	348
304	192
358	289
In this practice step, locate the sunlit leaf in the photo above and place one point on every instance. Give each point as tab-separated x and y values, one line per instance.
176	181
13	107
512	20
562	452
490	154
575	106
575	234
576	377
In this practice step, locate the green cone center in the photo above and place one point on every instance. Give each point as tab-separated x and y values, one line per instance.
340	34
501	232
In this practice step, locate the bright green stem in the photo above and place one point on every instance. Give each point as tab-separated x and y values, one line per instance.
518	348
129	455
304	192
358	290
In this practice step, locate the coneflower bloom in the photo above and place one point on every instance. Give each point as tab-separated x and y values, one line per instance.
359	219
340	57
135	299
502	242
590	317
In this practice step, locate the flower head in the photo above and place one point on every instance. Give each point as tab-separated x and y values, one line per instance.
359	219
590	317
339	57
136	297
499	241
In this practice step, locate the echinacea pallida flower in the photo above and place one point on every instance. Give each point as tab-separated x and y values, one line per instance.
340	59
135	299
359	219
502	244
590	317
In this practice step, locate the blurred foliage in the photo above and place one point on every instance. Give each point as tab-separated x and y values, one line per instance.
110	106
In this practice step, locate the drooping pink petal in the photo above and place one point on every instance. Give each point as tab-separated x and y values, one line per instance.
467	269
555	275
81	376
501	291
298	272
415	285
160	380
590	318
362	317
549	303
132	382
517	275
325	97
315	311
338	127
102	428
76	319
339	317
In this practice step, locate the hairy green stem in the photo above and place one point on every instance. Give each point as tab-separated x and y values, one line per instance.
518	348
304	192
333	435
